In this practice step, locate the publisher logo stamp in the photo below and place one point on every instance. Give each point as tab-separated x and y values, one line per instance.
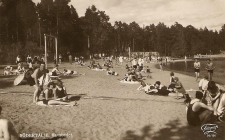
209	130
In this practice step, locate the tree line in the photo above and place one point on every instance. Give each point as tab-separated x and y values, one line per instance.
23	25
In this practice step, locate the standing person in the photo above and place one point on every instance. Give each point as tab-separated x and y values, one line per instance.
197	68
121	60
18	59
160	64
60	58
7	130
210	67
70	59
34	81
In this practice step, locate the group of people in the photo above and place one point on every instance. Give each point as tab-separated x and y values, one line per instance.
209	67
208	105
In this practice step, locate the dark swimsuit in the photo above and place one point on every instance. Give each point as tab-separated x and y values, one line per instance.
60	93
193	117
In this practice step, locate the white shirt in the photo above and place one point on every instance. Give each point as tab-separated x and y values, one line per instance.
203	84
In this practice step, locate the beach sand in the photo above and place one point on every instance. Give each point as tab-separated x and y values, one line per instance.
107	110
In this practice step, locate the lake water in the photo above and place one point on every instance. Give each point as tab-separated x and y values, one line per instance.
188	69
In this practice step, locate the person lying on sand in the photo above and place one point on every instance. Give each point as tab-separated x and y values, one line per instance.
68	72
197	112
7	130
110	72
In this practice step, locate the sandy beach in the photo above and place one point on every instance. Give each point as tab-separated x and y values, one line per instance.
107	110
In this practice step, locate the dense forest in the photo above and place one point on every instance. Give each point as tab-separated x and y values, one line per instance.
23	25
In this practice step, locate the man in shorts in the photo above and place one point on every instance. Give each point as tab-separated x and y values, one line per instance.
197	68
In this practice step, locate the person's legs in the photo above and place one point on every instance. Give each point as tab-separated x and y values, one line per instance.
209	76
221	106
205	116
54	102
215	106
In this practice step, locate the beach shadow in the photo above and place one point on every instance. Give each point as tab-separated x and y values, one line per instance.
5	84
74	98
146	134
173	131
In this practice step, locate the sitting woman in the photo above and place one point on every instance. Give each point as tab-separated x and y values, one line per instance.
197	112
179	88
48	92
20	68
60	90
99	66
55	71
132	76
214	94
171	87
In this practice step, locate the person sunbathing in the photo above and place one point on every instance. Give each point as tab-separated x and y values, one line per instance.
162	90
7	130
68	72
110	72
197	112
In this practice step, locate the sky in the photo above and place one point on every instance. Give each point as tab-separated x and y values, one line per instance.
198	13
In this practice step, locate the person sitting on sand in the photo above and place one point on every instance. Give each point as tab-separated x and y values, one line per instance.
172	82
7	70
68	72
20	68
48	92
132	76
60	90
142	86
7	130
198	113
214	93
179	87
99	66
55	71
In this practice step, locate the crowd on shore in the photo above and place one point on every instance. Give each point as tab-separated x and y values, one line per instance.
207	107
